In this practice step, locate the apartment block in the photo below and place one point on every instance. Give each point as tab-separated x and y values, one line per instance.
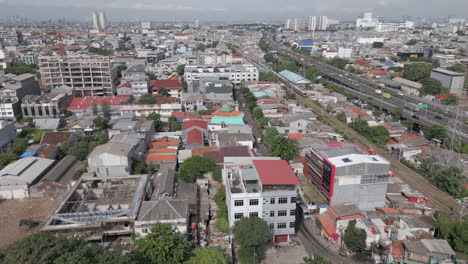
237	74
13	91
262	187
47	105
89	75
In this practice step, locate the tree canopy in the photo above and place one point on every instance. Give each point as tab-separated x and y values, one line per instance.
338	63
283	147
163	245
437	131
156	118
377	44
174	125
412	42
396	113
316	260
457	68
417	71
194	168
47	248
208	255
267	77
354	238
431	86
146	99
251	231
163	91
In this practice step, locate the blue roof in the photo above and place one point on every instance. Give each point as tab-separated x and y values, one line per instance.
387	63
27	154
323	206
307	43
293	77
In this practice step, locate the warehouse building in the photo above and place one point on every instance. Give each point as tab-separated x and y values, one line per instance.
449	79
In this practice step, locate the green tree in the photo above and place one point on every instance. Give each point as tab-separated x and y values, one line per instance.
251	231
174	125
377	112
354	238
163	245
437	131
267	77
257	113
47	248
79	149
270	134
412	42
180	69
6	159
19	145
409	123
417	71
200	47
163	91
203	112
342	117
379	135
98	51
152	76
195	167
338	63
250	255
431	86
95	108
105	109
450	100
316	260
66	113
101	123
458	67
156	118
454	232
146	99
283	147
19	69
396	113
209	255
377	45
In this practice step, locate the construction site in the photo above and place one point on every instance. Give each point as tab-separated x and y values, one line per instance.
98	208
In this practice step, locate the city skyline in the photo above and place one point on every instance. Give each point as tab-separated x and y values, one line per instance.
119	10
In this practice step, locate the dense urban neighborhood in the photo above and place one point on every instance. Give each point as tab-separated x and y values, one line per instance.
307	141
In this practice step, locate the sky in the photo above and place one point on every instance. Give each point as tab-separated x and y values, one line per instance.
229	10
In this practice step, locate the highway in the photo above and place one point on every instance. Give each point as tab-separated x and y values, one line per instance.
365	90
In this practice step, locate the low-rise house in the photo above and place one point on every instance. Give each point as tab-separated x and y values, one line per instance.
408	86
46	105
58	137
145	128
223	139
174	87
428	251
192	101
165	110
410	225
59	180
17	177
47	123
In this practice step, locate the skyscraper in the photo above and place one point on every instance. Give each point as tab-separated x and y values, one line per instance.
312	23
95	20
322	23
196	23
292	24
102	20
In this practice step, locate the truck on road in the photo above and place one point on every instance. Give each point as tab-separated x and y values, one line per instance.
378	91
411	106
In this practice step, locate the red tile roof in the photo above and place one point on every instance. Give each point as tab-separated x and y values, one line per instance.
202	150
161	99
48	151
275	172
56	138
84	102
199	123
357	111
179	115
184	34
162	150
194	136
295	136
388	210
161	158
327	224
163	144
167	84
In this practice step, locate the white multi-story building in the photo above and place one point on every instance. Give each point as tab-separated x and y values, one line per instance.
345	52
146	25
366	21
393	26
262	187
237	74
29	58
89	75
14	89
361	40
292	24
322	23
312	23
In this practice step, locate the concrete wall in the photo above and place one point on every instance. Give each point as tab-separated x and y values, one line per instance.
366	197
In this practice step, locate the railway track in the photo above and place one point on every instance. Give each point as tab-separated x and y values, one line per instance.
438	199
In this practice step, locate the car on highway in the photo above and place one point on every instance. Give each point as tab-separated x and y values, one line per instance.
415	116
438	117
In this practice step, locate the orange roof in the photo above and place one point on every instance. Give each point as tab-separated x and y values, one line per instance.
327	224
205	116
216	107
174	78
407	137
295	136
388	210
163	150
357	110
189	115
161	158
201	150
163	144
232	113
270	102
49	150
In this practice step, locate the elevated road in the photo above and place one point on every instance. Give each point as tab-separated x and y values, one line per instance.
365	90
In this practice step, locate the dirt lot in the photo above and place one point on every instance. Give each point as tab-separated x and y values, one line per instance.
12	211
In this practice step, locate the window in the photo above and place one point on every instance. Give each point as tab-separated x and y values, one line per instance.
293	199
282	213
272	200
253	202
291	224
238	215
144	230
272	226
281	225
253	214
292	212
272	213
238	202
282	200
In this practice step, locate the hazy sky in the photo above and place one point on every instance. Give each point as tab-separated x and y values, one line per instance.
229	10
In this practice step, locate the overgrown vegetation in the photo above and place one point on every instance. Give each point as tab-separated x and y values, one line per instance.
85	144
252	234
195	167
379	135
222	212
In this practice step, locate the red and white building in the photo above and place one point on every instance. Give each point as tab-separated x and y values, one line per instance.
262	187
